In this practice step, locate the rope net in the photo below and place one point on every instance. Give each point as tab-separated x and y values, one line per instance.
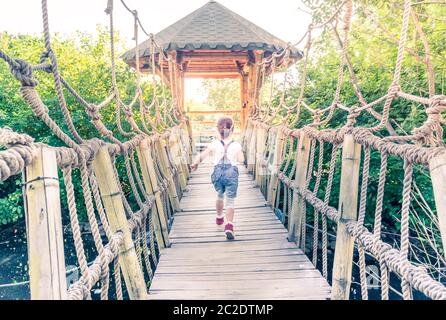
148	210
294	149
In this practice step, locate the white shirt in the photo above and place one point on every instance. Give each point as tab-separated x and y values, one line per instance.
218	151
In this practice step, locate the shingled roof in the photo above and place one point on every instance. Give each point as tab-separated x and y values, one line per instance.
214	27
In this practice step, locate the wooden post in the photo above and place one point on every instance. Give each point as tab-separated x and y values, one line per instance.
295	218
277	160
253	77
251	159
260	148
151	186
114	208
186	149
175	146
244	102
348	202
246	137
47	274
187	130
164	161
437	167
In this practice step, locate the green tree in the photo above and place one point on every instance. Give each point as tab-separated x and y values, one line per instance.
84	61
222	94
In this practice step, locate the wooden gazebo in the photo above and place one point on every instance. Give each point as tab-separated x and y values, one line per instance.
214	42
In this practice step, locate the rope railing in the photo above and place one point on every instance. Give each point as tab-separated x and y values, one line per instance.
296	173
135	217
132	179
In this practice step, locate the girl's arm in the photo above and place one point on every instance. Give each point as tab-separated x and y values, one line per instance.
200	157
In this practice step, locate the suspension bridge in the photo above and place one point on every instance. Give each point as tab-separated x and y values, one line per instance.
155	235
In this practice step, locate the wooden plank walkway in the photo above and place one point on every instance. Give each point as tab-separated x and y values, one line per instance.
259	264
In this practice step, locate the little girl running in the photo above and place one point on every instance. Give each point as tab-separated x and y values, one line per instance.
227	155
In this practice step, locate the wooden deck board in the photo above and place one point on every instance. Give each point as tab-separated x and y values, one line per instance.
259	264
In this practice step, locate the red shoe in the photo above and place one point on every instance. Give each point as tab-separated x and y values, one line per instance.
229	231
219	221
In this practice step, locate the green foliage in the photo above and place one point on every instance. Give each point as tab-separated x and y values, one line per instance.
222	94
84	61
11	203
372	52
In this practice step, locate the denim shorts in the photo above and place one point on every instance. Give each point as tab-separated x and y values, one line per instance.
225	179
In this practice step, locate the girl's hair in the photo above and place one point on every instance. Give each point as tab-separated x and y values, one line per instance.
225	126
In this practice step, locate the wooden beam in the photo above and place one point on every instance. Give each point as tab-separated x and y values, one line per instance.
47	274
212	75
212	111
348	202
114	208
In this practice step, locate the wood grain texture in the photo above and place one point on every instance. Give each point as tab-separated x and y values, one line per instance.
44	228
348	203
151	186
114	208
259	264
437	167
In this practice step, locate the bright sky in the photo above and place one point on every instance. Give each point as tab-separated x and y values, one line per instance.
282	18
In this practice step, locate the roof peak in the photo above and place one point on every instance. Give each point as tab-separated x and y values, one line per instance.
214	27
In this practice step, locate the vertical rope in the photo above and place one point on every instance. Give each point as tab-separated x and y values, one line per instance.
407	188
303	203
377	224
394	87
315	192
334	153
361	218
56	74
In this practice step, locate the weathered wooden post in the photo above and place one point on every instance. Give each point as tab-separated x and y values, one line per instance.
295	218
246	137
188	132
260	148
164	161
47	274
151	186
114	208
277	160
252	149
437	167
348	203
244	108
179	157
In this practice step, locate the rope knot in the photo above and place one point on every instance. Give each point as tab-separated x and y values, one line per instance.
394	89
128	112
431	132
437	104
23	72
353	113
109	8
93	112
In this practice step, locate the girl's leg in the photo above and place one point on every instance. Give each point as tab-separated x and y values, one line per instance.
219	208
230	209
229	227
219	204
